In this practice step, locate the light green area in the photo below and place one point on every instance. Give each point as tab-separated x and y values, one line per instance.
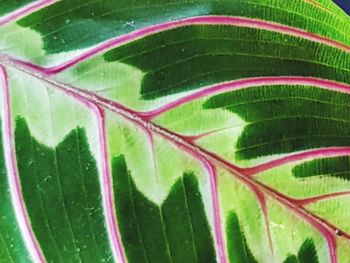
289	230
190	119
343	249
153	161
282	178
50	113
115	81
32	49
235	196
335	210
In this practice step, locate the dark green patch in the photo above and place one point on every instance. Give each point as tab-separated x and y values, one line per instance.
291	259
334	167
238	250
12	248
73	24
7	6
61	191
307	254
283	119
205	55
177	231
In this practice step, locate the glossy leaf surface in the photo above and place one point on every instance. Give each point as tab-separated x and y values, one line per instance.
174	131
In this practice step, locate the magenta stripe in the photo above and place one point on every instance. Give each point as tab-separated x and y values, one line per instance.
247	83
219	239
262	201
194	138
315	199
310	154
201	20
107	191
24	11
13	176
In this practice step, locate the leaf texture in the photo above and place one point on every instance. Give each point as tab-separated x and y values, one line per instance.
174	131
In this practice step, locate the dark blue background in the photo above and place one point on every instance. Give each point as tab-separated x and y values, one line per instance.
345	4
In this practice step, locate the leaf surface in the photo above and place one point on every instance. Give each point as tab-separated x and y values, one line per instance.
174	131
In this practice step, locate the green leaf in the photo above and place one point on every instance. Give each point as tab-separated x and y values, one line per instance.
238	249
62	195
9	6
280	118
174	131
12	246
337	167
177	231
307	253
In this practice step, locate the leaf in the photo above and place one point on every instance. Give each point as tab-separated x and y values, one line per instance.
307	253
175	232
10	234
62	184
238	249
174	131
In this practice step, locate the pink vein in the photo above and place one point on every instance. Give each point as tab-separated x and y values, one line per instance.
106	185
197	137
24	11
262	202
13	177
319	223
201	20
322	225
219	239
246	83
107	190
316	153
150	140
315	199
220	243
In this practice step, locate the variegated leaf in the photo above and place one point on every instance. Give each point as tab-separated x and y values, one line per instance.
174	131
